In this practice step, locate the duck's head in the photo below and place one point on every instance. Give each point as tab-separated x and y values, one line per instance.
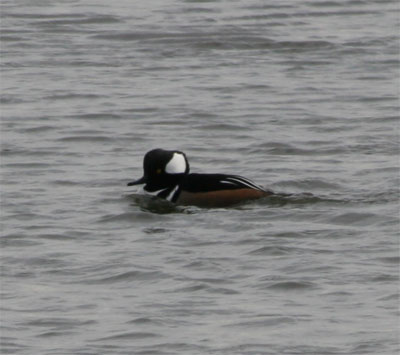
162	169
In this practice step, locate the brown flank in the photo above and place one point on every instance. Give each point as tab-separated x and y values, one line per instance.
221	198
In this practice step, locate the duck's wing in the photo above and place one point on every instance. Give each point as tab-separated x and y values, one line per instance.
214	182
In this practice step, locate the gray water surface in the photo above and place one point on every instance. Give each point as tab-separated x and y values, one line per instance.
300	96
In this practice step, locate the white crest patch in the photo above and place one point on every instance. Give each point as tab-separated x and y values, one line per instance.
177	165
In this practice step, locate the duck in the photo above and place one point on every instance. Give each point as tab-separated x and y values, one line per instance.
166	174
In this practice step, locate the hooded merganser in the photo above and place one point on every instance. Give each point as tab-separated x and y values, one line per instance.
166	174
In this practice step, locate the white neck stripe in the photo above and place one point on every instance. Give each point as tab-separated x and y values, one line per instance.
172	193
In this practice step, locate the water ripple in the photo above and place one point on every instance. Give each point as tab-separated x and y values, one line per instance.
127	276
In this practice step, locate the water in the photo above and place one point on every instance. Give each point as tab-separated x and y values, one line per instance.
301	97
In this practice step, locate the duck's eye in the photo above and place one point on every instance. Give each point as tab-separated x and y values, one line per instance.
158	171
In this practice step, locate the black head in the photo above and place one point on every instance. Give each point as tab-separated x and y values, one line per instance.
162	169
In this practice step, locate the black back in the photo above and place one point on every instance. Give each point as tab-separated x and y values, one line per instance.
214	182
